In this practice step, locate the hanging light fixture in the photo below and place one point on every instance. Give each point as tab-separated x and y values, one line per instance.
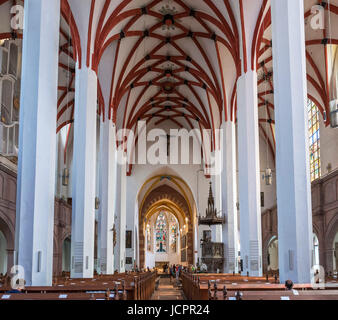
268	177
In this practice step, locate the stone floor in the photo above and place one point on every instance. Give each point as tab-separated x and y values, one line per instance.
168	290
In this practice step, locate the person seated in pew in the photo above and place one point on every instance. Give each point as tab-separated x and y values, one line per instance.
288	285
177	273
171	272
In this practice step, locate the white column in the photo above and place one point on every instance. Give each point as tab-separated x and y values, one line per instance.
229	197
120	222
249	174
292	156
107	181
36	170
84	172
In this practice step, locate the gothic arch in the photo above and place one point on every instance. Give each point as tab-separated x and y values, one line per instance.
332	229
265	243
165	196
8	230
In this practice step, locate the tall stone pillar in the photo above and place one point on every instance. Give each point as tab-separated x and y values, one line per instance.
249	174
229	197
37	145
107	181
84	174
292	149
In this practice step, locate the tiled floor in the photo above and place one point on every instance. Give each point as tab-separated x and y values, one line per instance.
167	290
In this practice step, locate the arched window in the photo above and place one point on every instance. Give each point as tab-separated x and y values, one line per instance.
6	100
161	233
9	98
314	137
173	234
315	250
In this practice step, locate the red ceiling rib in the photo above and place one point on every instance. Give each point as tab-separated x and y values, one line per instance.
205	74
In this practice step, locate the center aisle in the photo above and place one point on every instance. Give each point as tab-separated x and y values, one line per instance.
167	290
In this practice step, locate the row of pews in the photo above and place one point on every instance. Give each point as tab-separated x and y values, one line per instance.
237	287
125	286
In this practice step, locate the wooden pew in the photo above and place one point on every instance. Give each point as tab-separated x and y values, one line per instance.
216	286
131	286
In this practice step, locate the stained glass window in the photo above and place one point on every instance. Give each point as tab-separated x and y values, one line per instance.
314	139
161	233
173	237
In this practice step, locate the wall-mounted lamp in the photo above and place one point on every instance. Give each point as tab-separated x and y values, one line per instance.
65	177
97	203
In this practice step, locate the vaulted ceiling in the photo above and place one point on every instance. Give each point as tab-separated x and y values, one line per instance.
176	62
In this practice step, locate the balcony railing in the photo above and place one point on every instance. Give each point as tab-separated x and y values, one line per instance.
9	139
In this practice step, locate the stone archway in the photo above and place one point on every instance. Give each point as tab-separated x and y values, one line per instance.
331	253
8	234
160	196
265	249
273	262
267	241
